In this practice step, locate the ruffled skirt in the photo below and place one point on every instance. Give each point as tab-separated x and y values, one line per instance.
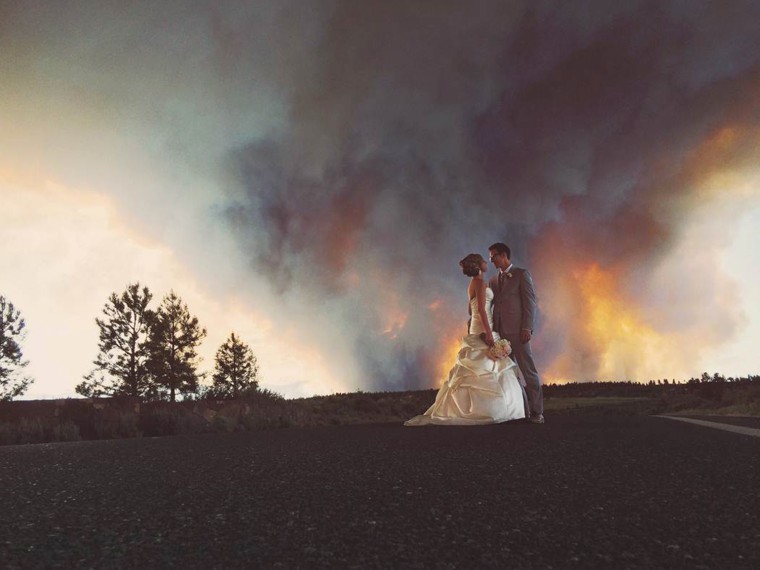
478	391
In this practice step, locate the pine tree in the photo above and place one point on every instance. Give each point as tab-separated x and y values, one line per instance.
174	338
236	369
12	332
121	365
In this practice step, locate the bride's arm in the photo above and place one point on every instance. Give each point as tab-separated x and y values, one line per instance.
480	293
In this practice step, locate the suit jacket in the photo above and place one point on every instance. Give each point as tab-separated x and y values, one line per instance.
514	302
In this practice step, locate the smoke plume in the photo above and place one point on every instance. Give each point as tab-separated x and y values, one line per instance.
581	137
347	154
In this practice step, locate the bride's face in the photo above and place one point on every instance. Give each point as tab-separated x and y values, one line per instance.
483	266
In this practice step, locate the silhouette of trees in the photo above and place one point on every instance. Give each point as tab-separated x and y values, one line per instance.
145	353
174	337
121	365
236	369
706	386
12	332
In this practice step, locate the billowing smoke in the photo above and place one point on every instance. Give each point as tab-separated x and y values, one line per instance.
354	151
578	134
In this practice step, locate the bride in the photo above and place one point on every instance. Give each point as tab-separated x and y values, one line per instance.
479	389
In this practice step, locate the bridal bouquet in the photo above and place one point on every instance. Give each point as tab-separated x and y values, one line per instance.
500	349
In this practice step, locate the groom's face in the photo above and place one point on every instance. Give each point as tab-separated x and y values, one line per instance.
500	260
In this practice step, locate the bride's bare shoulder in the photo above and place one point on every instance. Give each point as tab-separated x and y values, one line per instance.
478	286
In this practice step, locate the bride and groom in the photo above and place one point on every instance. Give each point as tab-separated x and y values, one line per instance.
481	388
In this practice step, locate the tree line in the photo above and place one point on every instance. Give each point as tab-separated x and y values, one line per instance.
143	352
151	354
13	381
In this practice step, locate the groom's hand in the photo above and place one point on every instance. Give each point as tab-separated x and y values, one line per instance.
525	335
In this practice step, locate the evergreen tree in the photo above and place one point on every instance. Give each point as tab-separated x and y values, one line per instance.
174	338
121	365
12	332
236	369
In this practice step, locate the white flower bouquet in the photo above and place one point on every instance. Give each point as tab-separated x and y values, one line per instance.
500	349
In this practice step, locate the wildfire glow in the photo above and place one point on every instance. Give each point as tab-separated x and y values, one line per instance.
449	350
636	317
621	339
449	341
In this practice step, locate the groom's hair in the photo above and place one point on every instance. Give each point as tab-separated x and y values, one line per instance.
499	247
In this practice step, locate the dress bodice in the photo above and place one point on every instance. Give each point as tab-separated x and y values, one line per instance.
476	324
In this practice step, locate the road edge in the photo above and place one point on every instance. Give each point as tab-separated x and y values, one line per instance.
753	432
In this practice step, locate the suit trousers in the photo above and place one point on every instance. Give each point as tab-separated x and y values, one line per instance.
523	355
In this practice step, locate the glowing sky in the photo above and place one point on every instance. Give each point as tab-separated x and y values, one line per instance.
308	173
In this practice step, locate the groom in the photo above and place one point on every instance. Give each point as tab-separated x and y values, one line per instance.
514	311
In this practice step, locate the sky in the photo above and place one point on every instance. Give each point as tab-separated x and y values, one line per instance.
309	173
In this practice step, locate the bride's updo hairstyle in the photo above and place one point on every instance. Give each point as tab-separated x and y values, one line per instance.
471	264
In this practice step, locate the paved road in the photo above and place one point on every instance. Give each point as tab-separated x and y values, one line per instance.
745	421
578	492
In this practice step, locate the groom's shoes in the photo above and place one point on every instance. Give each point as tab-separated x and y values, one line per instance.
537	419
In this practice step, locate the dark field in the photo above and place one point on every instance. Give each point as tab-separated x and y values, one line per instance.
112	418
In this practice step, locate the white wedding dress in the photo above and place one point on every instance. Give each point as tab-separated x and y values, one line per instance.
479	390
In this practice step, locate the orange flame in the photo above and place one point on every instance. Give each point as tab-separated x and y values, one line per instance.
600	330
448	353
612	340
450	339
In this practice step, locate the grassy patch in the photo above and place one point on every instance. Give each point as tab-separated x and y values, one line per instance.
558	404
74	419
722	399
601	405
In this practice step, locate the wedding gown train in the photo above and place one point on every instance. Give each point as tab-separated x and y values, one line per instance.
478	390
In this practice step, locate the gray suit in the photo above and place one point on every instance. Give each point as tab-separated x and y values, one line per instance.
514	309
